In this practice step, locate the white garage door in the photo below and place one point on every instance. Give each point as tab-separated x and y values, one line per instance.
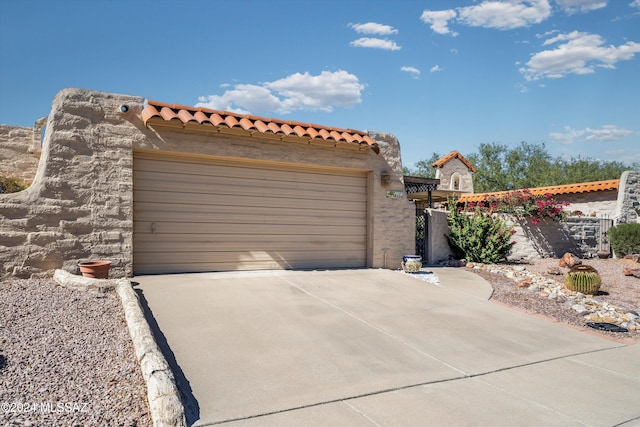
194	214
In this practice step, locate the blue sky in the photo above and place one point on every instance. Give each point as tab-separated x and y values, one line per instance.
440	75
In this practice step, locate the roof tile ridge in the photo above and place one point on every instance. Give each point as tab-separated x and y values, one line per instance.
292	123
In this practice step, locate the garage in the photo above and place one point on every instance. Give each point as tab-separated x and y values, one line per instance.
197	214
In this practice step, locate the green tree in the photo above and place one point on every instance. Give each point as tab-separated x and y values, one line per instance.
586	170
423	167
502	168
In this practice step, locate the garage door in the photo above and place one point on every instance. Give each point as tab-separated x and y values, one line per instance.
195	215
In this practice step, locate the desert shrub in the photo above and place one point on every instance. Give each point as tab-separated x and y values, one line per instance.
11	185
625	239
478	236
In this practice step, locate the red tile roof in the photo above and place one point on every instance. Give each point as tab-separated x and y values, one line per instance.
583	187
184	116
452	155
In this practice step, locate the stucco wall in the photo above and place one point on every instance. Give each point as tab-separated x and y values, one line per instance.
80	205
438	247
598	204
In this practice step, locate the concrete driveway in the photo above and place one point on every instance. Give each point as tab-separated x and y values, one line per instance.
380	348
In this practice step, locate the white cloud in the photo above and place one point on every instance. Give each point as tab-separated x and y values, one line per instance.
576	53
374	28
435	68
298	91
606	133
566	137
635	3
439	20
505	15
375	43
411	70
575	6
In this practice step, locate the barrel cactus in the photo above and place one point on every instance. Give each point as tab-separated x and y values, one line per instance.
583	278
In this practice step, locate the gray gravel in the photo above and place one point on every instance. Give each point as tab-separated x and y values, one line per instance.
617	289
66	358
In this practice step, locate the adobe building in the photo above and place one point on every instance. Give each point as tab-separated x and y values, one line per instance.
163	188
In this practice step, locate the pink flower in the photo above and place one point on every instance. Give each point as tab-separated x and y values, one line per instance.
535	221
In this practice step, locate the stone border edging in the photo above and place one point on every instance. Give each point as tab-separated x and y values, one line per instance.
68	280
162	392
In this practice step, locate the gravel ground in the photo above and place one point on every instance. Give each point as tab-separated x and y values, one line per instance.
617	289
66	358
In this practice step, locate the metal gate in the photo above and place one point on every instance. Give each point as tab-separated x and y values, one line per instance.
422	232
604	245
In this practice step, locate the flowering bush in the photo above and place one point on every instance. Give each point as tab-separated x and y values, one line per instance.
478	236
522	204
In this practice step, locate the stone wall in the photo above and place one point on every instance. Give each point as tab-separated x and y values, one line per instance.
80	205
628	204
19	151
580	235
549	239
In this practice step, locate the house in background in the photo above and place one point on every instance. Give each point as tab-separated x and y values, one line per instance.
454	178
455	173
598	198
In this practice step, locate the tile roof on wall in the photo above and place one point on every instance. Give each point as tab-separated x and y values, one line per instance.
583	187
172	114
453	155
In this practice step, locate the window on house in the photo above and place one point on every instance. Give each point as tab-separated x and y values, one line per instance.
456	182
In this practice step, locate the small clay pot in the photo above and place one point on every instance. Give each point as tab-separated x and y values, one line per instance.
95	269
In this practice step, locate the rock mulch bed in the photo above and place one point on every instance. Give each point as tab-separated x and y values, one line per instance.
66	358
531	288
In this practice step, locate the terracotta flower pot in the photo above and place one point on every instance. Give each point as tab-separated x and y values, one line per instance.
95	269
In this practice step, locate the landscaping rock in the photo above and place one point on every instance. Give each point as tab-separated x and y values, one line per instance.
628	271
633	257
579	308
594	310
569	260
555	271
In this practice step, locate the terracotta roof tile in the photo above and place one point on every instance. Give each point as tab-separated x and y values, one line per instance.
200	117
172	114
452	155
260	126
583	187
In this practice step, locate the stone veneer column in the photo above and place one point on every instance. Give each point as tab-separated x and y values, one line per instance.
628	207
392	214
